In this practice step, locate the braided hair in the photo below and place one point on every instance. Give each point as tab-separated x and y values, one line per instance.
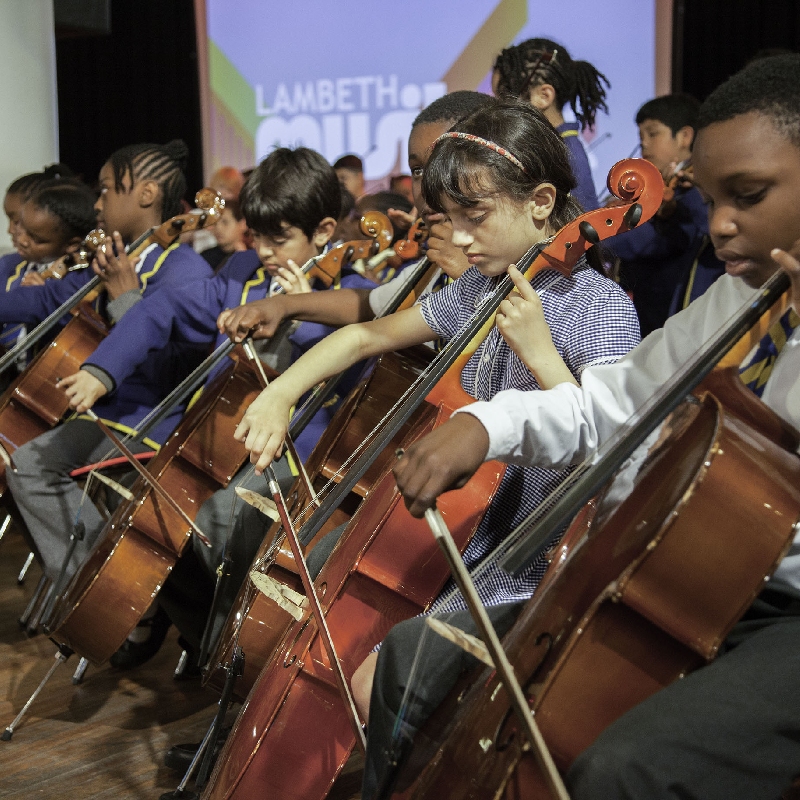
162	163
535	62
70	201
28	183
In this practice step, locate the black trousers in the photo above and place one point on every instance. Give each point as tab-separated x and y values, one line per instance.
729	730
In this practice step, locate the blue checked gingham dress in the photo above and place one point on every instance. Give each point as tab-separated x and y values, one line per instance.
592	321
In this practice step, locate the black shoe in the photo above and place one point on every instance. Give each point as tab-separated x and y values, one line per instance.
180	756
189	669
134	654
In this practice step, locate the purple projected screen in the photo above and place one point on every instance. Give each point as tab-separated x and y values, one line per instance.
350	78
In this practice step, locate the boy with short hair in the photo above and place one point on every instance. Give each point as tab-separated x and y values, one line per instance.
729	729
667	262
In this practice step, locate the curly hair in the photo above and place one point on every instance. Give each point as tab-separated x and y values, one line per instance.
28	183
70	201
769	86
451	107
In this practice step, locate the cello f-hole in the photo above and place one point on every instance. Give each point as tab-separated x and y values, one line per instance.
499	746
548	641
287	661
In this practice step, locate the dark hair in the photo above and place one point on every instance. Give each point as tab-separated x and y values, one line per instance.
348	202
351	162
27	183
451	107
534	62
162	163
70	201
296	187
769	86
466	171
676	111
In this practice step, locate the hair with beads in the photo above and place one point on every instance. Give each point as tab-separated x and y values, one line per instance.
162	163
70	201
467	170
28	183
295	187
535	62
769	86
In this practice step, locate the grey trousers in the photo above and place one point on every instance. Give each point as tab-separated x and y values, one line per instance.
49	501
412	646
228	522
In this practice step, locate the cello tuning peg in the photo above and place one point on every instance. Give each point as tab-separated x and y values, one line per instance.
588	232
633	215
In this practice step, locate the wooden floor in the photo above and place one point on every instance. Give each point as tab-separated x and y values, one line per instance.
105	738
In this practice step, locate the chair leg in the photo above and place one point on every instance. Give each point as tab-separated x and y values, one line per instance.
25	567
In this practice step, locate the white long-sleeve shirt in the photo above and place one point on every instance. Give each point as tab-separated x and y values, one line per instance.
565	425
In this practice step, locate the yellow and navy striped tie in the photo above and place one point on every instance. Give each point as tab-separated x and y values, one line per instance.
756	372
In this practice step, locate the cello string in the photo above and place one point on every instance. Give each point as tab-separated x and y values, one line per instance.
495	556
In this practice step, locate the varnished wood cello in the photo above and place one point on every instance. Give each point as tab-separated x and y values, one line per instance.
679	547
293	731
145	536
256	623
34	404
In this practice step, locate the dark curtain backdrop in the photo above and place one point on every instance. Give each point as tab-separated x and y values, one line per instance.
715	38
137	84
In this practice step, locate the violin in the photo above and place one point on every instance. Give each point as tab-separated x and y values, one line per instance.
373	224
385	567
681	174
80	259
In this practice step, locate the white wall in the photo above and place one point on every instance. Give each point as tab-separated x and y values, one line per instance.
28	105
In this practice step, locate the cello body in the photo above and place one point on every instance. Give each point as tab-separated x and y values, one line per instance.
143	539
256	623
33	404
646	593
293	730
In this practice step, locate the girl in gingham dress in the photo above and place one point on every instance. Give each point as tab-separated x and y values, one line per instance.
503	178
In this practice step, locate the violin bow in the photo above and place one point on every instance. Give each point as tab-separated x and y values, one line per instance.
252	356
498	657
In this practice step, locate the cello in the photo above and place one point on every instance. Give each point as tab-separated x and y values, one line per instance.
293	731
256	623
648	589
34	404
144	537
